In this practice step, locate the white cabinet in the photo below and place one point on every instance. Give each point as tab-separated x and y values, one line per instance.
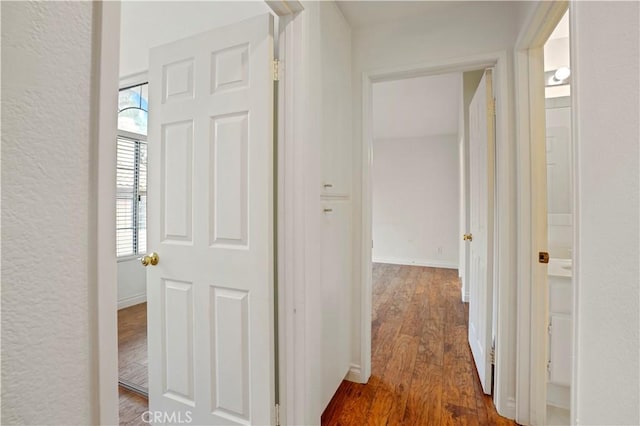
560	333
336	101
334	77
336	295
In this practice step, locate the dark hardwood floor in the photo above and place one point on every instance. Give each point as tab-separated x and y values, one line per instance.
132	362
422	369
132	344
131	408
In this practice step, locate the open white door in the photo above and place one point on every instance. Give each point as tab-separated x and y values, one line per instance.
481	174
210	167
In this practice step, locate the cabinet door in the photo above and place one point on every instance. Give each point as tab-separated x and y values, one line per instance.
336	101
336	296
560	350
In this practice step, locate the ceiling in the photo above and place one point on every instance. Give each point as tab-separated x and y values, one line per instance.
416	107
365	13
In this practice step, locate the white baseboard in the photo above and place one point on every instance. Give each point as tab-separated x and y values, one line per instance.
559	396
132	300
432	263
354	374
465	294
507	409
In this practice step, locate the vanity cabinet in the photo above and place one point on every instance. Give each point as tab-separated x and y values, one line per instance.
560	333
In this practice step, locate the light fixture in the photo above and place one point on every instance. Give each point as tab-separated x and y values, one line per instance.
559	77
562	74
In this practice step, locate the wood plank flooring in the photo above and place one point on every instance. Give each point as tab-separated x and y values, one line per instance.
131	408
132	362
422	369
132	344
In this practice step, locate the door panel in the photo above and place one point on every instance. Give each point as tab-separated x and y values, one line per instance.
210	157
336	297
481	148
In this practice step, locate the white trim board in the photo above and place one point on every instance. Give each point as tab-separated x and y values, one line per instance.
531	316
505	213
431	263
106	80
354	373
132	300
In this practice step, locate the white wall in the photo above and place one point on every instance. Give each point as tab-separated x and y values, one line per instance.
132	283
415	201
146	24
464	29
48	215
559	181
606	62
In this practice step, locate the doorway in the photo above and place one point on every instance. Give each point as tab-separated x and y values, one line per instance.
190	317
502	292
546	304
131	236
559	224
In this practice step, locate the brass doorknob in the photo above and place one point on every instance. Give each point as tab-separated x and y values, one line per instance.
467	237
150	259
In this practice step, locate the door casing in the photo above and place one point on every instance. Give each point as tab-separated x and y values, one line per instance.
505	214
532	317
106	47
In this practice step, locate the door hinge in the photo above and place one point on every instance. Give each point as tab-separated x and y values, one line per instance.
492	107
277	410
276	70
549	327
492	355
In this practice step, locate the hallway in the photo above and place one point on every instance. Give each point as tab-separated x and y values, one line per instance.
422	370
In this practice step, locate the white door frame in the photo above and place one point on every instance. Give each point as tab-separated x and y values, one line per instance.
294	377
505	214
532	315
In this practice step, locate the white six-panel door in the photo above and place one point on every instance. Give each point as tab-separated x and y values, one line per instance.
210	299
481	174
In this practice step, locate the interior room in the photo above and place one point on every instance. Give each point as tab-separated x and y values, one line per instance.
559	152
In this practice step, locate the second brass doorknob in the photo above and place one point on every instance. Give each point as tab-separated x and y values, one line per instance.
150	259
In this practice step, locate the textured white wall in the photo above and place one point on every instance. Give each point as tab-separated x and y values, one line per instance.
132	282
415	201
47	219
606	46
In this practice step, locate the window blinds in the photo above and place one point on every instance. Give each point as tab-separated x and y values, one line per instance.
131	197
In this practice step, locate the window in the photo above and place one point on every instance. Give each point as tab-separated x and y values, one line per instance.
131	176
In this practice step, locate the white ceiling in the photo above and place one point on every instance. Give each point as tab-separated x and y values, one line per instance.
416	107
365	13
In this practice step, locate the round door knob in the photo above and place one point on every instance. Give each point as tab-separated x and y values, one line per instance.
150	259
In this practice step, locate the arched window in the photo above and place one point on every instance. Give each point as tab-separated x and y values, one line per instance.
133	109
